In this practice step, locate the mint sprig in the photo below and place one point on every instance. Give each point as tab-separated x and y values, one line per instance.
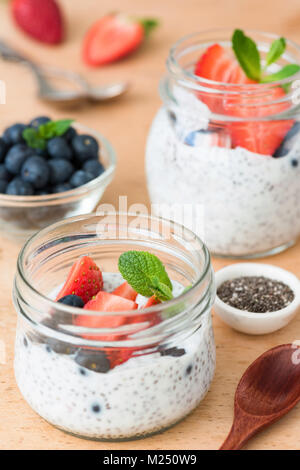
37	138
146	274
247	54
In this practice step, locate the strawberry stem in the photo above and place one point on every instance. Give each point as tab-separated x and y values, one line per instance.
148	24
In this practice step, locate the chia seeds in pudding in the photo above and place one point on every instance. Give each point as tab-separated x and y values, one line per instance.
145	394
249	203
256	294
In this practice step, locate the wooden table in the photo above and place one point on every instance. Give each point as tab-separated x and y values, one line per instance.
125	123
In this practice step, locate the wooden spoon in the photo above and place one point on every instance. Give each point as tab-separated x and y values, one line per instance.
268	390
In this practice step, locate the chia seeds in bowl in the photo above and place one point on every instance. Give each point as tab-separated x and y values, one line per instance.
256	294
62	369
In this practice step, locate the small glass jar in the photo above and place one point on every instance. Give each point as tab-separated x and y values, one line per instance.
122	382
231	149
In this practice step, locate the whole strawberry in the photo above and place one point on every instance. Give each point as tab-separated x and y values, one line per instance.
40	19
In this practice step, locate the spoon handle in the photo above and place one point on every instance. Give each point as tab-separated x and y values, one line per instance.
244	427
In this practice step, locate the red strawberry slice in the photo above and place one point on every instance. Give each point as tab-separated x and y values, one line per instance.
40	19
152	301
119	356
126	291
105	302
218	65
262	137
112	38
84	279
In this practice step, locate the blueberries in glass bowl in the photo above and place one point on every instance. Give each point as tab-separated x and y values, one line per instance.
50	170
46	157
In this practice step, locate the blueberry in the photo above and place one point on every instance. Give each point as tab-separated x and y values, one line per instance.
294	163
3	149
93	360
60	170
58	148
38	121
96	408
175	352
43	192
36	171
80	177
41	152
4	174
61	188
94	167
85	147
16	157
72	300
3	186
13	134
60	347
288	142
18	187
70	134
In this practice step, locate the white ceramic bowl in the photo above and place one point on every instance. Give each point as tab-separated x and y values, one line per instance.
257	323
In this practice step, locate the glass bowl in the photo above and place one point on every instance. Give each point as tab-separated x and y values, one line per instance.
22	216
129	378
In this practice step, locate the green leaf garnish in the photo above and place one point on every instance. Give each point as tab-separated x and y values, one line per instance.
146	274
37	138
247	54
286	71
33	139
148	24
276	50
248	57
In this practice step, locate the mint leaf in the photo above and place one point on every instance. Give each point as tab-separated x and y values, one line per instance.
276	50
54	128
148	24
160	290
62	126
33	139
37	138
145	273
247	54
286	71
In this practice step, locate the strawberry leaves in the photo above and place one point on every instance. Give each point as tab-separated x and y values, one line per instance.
247	54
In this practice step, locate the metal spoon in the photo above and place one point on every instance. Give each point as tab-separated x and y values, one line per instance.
268	390
48	92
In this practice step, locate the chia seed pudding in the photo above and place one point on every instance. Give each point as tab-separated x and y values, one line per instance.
250	202
228	149
145	394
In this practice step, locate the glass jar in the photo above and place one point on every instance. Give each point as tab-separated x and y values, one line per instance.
126	381
232	150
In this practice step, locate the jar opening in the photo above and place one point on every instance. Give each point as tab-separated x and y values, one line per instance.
52	251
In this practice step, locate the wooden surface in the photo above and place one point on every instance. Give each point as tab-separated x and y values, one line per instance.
125	123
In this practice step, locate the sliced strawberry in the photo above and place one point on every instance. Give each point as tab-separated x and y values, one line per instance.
262	137
111	38
84	280
218	65
118	356
40	19
152	301
105	302
126	291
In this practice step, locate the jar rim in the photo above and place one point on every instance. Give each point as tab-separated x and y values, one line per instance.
175	68
78	311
